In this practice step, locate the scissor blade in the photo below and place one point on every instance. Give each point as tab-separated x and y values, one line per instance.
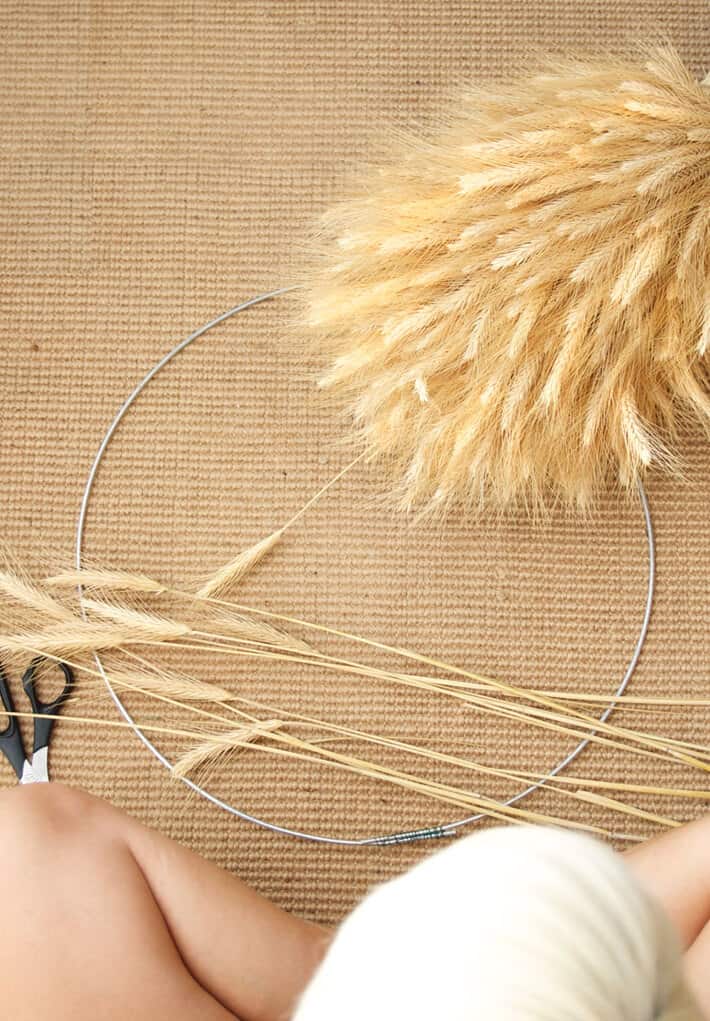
36	771
28	775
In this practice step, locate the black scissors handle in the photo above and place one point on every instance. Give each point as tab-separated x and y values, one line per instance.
10	738
44	711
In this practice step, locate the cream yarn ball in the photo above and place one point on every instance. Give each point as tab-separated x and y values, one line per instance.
511	924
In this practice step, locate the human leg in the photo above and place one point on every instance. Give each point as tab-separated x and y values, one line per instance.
106	919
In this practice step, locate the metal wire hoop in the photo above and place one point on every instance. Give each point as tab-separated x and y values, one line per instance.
443	830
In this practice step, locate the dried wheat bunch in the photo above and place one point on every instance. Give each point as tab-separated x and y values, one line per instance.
516	306
133	620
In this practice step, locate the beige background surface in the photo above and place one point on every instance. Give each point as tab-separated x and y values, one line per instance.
160	162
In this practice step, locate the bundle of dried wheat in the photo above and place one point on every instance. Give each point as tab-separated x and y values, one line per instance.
516	307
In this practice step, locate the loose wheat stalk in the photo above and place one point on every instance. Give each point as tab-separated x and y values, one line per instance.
139	621
216	746
348	732
220	745
639	813
98	579
469	764
252	630
96	721
169	683
569	722
429	788
231	574
27	594
248	629
80	638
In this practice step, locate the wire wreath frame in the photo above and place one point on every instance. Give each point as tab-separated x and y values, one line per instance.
443	830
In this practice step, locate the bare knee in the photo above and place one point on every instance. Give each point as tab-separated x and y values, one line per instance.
47	805
79	914
40	821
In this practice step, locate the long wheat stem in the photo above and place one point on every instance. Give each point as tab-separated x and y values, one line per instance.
531	713
509	774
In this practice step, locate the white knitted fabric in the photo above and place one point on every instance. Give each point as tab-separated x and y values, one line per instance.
510	924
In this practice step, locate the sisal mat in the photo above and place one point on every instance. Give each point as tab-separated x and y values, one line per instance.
160	162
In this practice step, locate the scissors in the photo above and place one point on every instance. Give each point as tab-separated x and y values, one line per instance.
34	770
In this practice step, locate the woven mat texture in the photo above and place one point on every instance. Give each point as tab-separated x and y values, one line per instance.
160	162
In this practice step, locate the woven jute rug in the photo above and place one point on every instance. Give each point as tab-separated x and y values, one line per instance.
161	163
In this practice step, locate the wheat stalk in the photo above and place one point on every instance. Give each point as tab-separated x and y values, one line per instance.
541	697
465	763
75	639
169	683
138	621
221	743
98	579
96	721
213	746
24	592
378	771
348	732
248	629
639	813
575	725
261	633
572	723
217	745
231	574
464	679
